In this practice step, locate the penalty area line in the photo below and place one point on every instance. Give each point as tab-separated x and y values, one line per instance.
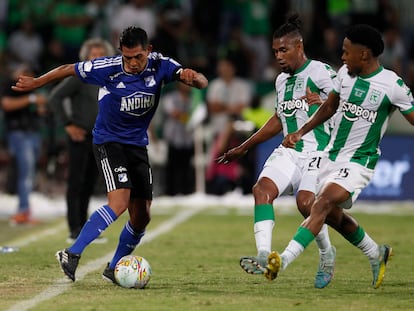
63	284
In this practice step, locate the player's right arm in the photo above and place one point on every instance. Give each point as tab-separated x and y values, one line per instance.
324	112
272	127
25	83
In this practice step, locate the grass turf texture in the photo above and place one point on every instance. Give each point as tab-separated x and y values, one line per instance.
196	267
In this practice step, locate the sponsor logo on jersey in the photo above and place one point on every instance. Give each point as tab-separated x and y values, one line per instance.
299	85
115	75
353	112
120	169
120	85
289	107
401	83
137	104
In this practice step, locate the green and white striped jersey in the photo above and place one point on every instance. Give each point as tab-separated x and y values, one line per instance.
366	104
293	110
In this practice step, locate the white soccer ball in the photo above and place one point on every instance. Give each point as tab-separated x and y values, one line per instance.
132	272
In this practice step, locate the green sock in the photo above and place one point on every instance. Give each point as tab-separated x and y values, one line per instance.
303	236
356	237
263	212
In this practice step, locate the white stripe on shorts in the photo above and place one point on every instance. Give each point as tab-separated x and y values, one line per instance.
108	176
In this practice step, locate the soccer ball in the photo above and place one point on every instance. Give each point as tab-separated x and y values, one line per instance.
132	272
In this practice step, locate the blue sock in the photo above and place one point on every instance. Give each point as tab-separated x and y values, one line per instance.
128	240
97	223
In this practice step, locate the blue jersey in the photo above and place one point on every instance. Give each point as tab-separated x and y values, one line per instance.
127	102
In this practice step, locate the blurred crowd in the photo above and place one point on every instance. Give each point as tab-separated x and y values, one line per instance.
229	41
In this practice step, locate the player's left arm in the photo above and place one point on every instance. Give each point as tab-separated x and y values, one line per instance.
402	98
192	78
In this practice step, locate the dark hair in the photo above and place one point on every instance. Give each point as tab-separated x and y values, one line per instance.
292	26
132	37
367	36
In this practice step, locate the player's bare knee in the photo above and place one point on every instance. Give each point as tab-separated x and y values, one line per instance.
264	193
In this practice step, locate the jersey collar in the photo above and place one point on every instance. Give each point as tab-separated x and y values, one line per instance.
302	68
380	68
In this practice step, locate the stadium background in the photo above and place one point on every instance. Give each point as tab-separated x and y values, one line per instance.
198	33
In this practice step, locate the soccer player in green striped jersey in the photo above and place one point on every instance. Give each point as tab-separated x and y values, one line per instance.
290	170
364	97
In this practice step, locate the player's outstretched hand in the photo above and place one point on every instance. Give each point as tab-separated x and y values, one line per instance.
290	140
25	83
193	78
230	155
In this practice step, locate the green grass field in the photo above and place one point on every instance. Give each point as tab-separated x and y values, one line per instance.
196	267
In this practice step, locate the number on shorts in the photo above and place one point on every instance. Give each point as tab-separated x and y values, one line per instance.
343	173
315	162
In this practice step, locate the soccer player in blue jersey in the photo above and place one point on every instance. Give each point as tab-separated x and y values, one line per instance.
130	86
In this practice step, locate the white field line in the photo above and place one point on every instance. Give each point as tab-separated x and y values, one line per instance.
63	284
38	236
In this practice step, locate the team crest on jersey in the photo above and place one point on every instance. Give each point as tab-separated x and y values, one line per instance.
353	112
289	107
149	81
137	104
374	97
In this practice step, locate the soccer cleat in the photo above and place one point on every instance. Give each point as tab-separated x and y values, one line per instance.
378	267
326	269
109	274
274	264
254	265
68	263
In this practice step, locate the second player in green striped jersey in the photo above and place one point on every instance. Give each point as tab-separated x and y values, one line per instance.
365	106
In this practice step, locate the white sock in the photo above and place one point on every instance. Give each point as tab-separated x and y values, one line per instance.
323	241
263	235
291	252
369	247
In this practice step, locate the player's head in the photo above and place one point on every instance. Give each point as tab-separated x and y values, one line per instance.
94	48
135	48
287	45
361	47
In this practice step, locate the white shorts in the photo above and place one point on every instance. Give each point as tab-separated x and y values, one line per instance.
291	170
351	176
